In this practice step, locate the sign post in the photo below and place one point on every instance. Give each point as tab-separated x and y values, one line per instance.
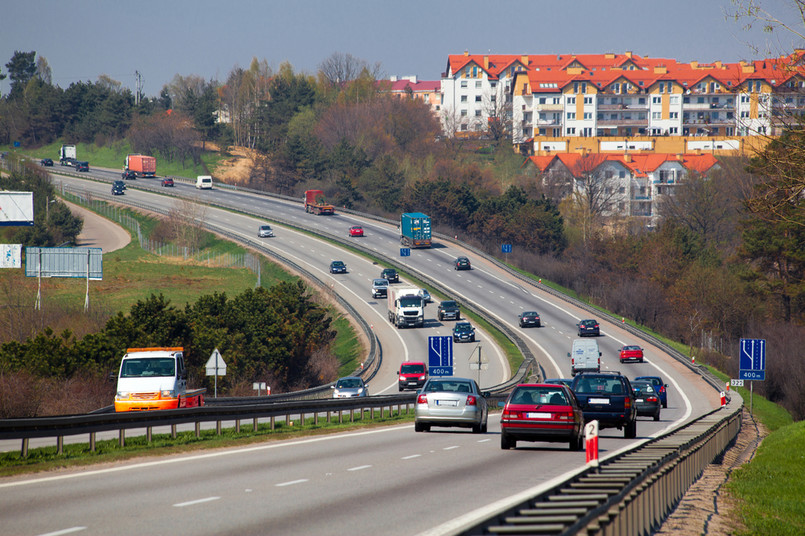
440	356
591	443
752	364
216	367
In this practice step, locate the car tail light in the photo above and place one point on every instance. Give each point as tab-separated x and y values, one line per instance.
652	399
509	414
563	416
627	403
422	399
471	400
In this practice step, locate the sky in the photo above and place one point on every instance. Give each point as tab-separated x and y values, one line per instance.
83	39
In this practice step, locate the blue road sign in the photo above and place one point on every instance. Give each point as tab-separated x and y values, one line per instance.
440	356
506	248
752	362
405	252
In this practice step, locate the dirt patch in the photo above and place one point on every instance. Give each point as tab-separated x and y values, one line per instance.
705	508
237	168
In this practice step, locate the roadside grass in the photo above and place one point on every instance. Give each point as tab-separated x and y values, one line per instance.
114	156
109	451
347	345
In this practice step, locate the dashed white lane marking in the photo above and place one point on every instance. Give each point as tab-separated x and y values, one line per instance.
290	483
197	501
359	468
411	457
64	531
451	448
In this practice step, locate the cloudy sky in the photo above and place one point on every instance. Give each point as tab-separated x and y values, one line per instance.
82	39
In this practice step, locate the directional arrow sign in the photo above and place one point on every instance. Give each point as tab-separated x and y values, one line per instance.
440	356
752	363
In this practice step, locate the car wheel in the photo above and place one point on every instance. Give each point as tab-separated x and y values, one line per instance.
665	404
657	416
472	339
419	427
458	317
476	428
630	432
483	428
400	388
441	318
506	443
521	324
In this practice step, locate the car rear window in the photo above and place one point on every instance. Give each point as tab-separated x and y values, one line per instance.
599	385
539	395
449	386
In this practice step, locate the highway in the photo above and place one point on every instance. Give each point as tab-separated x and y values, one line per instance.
384	481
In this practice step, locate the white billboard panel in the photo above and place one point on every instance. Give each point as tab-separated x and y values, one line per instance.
16	209
64	262
10	255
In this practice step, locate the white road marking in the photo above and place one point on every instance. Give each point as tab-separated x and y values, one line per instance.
64	531
451	448
411	457
197	501
291	483
359	468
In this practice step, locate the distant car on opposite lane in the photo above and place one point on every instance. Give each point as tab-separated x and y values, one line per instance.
451	401
660	386
265	231
82	166
167	181
462	263
631	352
46	162
356	230
350	387
338	267
529	318
128	175
588	327
542	412
425	295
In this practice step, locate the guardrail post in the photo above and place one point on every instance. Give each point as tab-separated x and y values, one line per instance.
60	445
328	416
301	420
148	431
92	441
121	439
287	419
218	427
372	413
340	417
272	422
173	431
254	425
351	414
237	426
198	430
315	418
24	452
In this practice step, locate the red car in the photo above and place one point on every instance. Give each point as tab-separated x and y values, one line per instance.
631	353
356	230
542	412
167	181
412	375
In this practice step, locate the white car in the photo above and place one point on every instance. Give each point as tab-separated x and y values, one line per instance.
265	231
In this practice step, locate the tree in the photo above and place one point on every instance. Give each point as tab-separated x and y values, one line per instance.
340	68
21	68
593	196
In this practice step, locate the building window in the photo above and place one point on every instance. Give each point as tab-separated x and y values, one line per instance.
464	126
655	115
673	115
745	115
571	131
542	100
478	84
656	100
477	113
622	190
463	113
571	116
477	98
588	115
571	100
556	100
588	100
463	98
464	83
493	84
674	99
621	174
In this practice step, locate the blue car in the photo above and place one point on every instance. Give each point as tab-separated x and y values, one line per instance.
338	267
660	386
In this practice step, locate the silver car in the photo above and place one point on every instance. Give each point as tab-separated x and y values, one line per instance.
265	231
449	401
380	288
350	387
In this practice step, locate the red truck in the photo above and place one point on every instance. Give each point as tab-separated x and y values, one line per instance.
141	165
316	204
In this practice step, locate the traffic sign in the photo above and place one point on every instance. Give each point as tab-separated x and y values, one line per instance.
440	356
506	248
405	252
752	362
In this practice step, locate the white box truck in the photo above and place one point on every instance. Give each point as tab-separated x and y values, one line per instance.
204	182
154	378
585	356
406	307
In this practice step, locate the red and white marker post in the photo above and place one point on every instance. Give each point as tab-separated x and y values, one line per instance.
591	442
723	399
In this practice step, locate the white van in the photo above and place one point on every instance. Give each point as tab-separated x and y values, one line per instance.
585	356
204	182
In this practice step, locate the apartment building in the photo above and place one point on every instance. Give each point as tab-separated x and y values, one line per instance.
621	95
429	92
629	185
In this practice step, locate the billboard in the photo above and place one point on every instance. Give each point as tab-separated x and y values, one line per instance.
10	255
16	209
64	262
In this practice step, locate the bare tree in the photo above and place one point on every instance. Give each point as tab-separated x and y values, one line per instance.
186	220
341	67
594	194
498	111
43	71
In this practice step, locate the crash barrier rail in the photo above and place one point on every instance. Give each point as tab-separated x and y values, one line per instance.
91	424
631	492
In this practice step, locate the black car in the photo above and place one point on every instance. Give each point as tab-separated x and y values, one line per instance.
463	332
82	166
647	399
338	267
608	398
129	175
390	275
118	188
463	263
588	327
449	309
46	162
529	318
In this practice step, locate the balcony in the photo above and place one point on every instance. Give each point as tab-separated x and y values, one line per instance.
610	107
549	107
547	122
622	122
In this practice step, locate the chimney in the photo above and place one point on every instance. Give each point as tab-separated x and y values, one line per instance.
524	59
694	65
627	157
680	157
486	63
628	54
466	53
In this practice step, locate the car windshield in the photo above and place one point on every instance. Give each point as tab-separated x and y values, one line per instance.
148	367
265	228
412	369
539	395
448	304
389	272
410	301
589	323
463	327
338	263
349	383
449	386
381	283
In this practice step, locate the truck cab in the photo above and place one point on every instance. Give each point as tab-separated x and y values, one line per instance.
154	378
